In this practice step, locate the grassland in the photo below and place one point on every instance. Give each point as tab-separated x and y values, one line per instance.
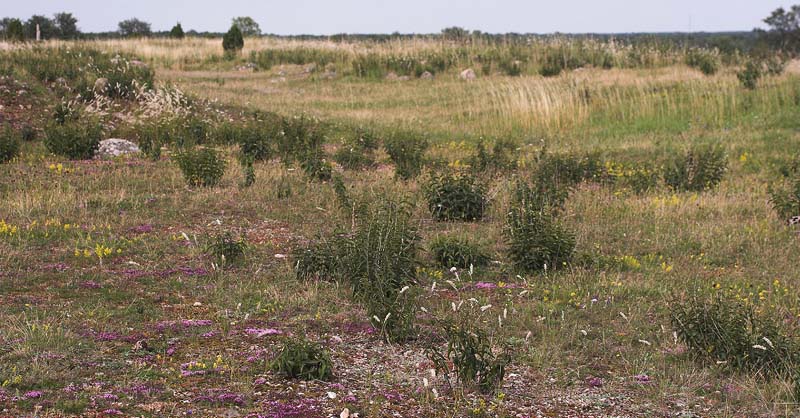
155	327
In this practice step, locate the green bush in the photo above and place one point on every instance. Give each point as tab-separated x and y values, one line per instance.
233	41
407	154
258	139
201	167
302	139
456	197
226	249
9	144
76	140
27	133
732	332
705	61
535	238
750	74
15	32
457	251
786	199
701	168
177	32
302	359
555	175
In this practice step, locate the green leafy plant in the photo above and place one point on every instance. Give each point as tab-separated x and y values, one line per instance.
501	158
705	61
407	154
700	168
319	260
201	166
9	144
457	251
785	199
177	32
470	351
358	152
226	249
456	196
729	331
750	74
302	359
74	139
536	239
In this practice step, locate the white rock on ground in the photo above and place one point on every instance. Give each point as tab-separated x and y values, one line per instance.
468	74
115	147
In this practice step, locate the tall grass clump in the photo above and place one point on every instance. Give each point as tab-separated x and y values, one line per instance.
381	265
500	158
9	144
358	152
407	154
700	168
733	333
705	61
785	198
457	251
300	358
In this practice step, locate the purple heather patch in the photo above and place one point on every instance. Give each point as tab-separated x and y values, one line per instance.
142	229
303	408
90	284
642	378
594	382
34	394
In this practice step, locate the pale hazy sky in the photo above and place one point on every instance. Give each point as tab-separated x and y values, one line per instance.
414	16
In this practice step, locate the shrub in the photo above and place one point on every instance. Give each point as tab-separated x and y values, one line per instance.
177	32
750	74
15	32
555	175
704	61
457	251
9	144
471	353
257	140
27	133
317	167
284	189
76	140
407	154
536	240
501	158
302	359
786	199
456	196
302	137
319	260
357	153
637	178
380	260
730	331
226	249
232	41
201	167
249	172
775	65
701	168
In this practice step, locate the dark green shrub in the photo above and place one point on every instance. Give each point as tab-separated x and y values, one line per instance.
9	144
302	359
233	41
457	251
201	167
15	32
705	61
552	66
257	140
27	133
358	152
177	32
536	239
407	154
226	249
471	353
555	175
750	74
456	197
701	168
76	140
729	331
302	139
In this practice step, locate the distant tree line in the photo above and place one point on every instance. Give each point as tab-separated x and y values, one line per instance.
782	33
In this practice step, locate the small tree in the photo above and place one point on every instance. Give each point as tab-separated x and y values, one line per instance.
134	28
233	42
177	32
247	25
47	29
784	29
14	31
66	25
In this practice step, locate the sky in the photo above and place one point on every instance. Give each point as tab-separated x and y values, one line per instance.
326	17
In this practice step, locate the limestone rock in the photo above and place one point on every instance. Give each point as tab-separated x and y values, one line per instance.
114	147
468	74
